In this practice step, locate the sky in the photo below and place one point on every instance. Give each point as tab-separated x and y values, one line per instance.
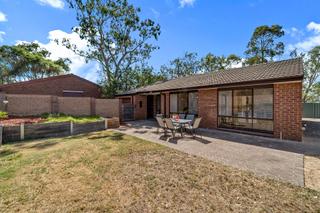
202	26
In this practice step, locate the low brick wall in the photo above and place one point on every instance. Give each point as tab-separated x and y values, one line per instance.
47	130
74	106
26	105
107	108
35	105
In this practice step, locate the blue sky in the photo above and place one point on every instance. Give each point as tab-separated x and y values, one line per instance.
202	26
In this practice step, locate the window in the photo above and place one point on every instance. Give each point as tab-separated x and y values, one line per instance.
263	103
225	103
184	102
140	104
242	103
249	109
173	103
193	103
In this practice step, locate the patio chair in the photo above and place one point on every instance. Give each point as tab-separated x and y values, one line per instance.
161	125
190	117
193	128
173	128
160	116
182	116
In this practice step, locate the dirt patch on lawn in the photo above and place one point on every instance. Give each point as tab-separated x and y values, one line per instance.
15	121
312	172
108	172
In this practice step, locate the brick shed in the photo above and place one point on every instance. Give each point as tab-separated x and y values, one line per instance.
69	85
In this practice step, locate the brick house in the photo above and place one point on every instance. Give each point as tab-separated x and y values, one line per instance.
260	99
69	85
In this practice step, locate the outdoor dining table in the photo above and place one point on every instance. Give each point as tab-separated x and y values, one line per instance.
181	123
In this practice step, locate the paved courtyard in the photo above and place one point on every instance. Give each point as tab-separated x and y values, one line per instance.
282	160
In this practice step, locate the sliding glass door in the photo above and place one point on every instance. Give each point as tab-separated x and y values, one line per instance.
248	109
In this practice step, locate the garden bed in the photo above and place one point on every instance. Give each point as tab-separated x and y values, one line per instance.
48	118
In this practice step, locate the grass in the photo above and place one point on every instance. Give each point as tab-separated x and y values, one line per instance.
50	118
112	172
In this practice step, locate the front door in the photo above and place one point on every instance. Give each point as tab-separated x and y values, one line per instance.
150	112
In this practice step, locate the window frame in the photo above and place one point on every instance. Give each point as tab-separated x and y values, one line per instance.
187	92
252	115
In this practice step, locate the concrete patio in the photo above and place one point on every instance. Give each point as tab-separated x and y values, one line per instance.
268	157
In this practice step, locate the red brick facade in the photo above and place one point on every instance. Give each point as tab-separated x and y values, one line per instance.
288	111
58	85
207	108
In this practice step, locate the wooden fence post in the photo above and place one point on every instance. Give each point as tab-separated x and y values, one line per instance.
71	128
22	131
1	131
106	123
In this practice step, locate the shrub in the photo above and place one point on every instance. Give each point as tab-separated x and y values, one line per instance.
3	115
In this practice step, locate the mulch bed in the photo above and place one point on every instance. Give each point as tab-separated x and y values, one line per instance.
15	121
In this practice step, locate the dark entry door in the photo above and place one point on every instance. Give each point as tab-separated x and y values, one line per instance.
150	112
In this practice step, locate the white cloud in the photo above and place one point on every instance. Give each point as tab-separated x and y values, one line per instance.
1	36
3	17
78	64
294	32
184	3
53	3
310	41
312	26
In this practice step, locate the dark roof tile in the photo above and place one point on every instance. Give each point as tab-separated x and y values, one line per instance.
272	71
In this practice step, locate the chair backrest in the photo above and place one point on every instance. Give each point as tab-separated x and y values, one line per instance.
190	117
160	115
182	116
196	123
160	122
169	123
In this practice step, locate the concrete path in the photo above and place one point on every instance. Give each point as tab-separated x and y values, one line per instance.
281	160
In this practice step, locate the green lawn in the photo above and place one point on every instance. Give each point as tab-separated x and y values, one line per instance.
76	119
111	172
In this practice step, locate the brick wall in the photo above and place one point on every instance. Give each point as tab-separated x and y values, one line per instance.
54	86
167	104
107	107
33	105
74	106
207	108
26	105
288	111
140	113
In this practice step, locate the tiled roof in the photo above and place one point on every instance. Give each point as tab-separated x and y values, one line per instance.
272	71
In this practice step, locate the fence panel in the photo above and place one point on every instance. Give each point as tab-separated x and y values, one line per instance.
88	127
311	110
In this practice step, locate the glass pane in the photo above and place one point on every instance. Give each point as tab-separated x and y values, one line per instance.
183	102
263	103
225	103
193	103
242	103
225	122
265	125
173	103
243	123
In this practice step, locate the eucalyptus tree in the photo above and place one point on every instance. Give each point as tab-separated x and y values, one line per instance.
28	61
264	45
117	37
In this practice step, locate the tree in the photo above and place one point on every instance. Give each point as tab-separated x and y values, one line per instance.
28	61
189	64
117	37
140	76
263	45
211	62
311	73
